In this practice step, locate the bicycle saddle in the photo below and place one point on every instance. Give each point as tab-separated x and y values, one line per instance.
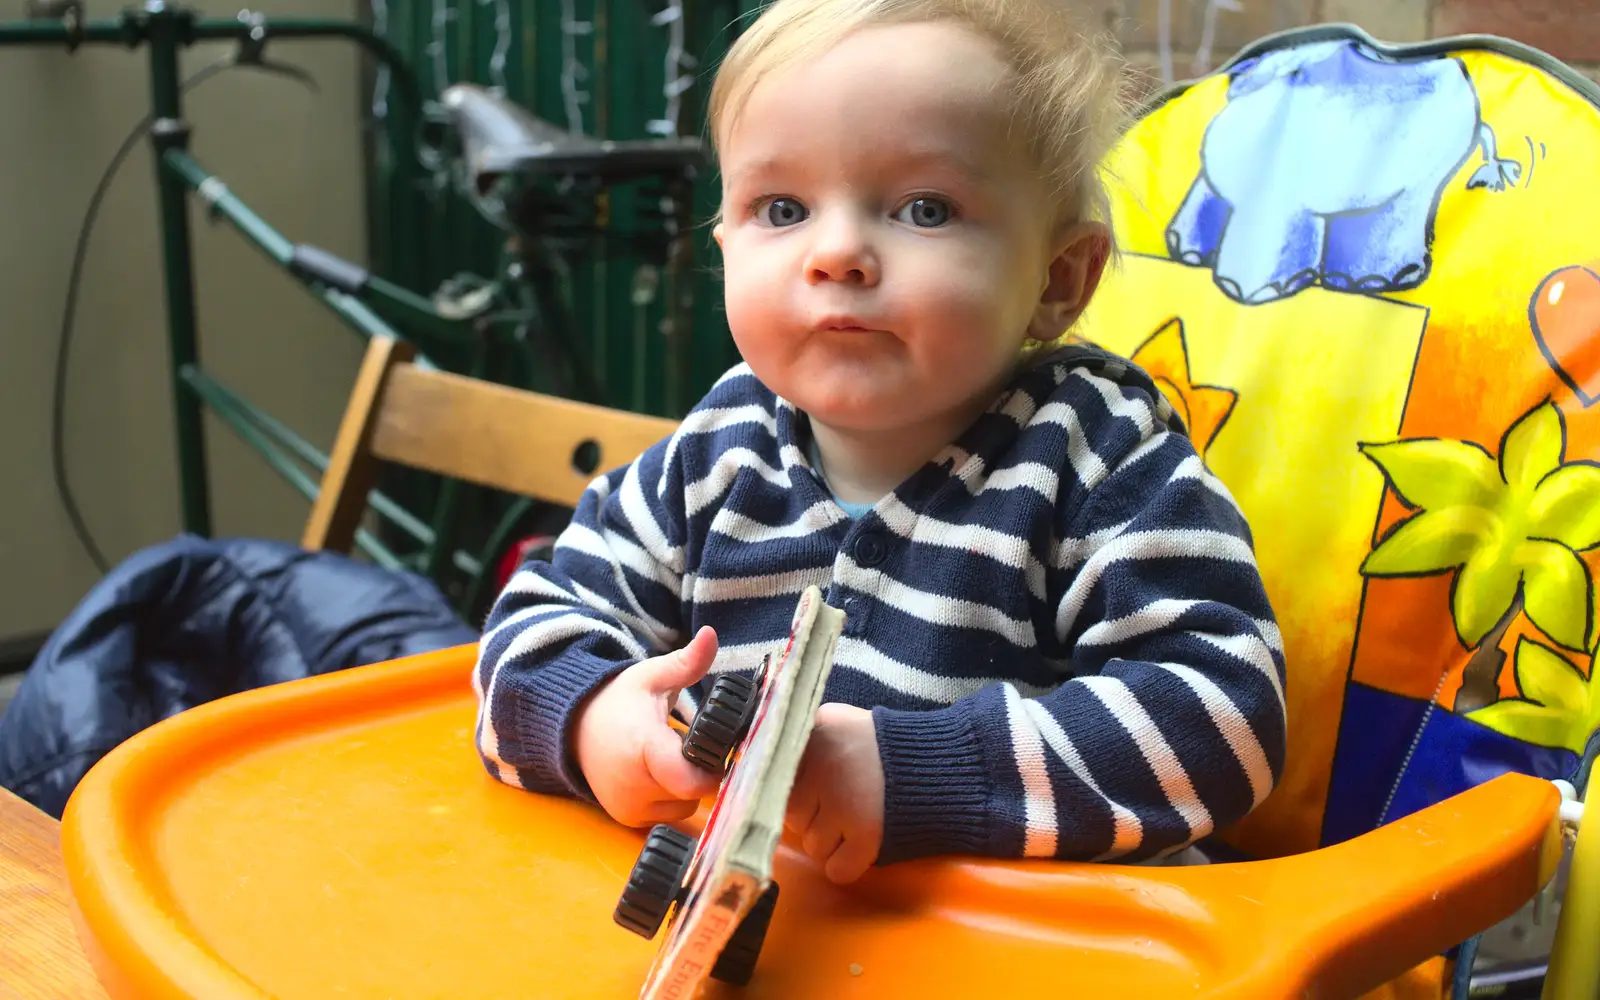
499	137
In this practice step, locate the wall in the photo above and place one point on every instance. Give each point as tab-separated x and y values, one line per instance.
1566	29
293	156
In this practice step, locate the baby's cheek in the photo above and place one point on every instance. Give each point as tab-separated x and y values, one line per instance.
965	298
757	318
742	294
753	316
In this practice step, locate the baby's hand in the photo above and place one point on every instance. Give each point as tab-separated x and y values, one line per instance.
632	759
837	805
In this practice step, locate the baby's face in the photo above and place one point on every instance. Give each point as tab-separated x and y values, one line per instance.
885	243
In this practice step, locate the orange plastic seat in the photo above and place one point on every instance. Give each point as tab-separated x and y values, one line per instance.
338	836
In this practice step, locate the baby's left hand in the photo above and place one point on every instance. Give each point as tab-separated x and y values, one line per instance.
836	807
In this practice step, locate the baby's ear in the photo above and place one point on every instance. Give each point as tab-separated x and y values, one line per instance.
716	233
1075	272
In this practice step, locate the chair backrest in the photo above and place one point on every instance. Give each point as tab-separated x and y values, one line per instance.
1366	278
509	439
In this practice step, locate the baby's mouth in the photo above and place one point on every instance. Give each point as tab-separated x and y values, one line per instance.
845	324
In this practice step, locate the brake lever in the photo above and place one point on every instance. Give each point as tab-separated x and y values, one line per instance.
283	69
252	53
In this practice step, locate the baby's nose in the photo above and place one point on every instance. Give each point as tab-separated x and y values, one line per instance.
841	252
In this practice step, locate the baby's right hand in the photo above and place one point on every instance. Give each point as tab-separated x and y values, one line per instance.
629	754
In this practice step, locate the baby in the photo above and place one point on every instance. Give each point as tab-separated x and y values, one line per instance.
1058	643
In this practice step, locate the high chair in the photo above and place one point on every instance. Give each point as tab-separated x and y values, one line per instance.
1387	352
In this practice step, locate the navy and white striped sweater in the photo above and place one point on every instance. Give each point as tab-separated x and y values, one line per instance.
1058	621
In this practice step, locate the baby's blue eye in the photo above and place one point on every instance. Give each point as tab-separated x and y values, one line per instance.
782	212
925	213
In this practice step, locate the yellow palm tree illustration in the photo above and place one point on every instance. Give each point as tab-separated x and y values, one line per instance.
1559	706
1510	527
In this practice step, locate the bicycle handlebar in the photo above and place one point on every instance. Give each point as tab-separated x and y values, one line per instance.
130	29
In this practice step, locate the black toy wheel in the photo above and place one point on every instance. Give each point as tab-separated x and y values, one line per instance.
655	881
737	963
721	722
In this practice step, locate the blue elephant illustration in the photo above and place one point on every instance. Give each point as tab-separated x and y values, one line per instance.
1326	166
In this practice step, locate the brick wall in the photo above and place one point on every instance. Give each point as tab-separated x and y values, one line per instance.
1566	29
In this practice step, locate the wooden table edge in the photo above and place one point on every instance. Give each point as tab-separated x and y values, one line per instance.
40	956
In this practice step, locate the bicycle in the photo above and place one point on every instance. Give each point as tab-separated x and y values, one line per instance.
543	187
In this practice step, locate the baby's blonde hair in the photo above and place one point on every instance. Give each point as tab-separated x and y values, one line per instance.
1067	100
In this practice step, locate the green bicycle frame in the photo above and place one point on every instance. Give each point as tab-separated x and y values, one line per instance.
367	303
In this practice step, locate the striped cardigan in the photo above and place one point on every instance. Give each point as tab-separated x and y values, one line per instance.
1058	621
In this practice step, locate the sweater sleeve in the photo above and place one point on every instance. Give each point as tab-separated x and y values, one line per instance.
1173	720
608	597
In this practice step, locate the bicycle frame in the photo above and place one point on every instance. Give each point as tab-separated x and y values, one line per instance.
367	303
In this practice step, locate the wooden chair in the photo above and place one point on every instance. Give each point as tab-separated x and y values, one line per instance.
508	439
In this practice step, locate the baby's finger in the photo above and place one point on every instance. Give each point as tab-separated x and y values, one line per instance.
802	811
821	841
851	861
645	813
684	667
667	812
804	800
678	779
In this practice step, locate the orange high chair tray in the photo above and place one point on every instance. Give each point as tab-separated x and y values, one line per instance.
338	836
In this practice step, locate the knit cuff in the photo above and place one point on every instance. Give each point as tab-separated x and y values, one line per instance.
544	705
936	791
